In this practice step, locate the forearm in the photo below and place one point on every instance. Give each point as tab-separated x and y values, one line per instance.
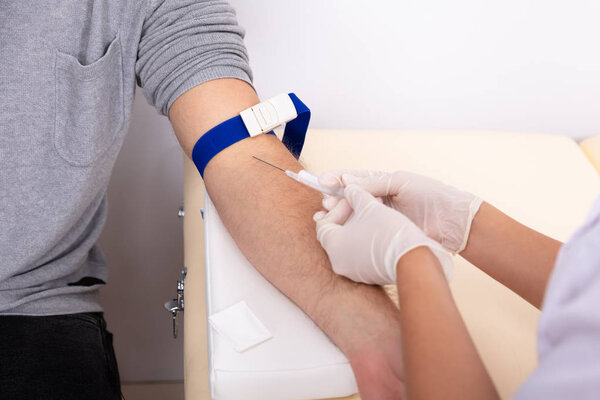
439	356
513	254
266	213
270	216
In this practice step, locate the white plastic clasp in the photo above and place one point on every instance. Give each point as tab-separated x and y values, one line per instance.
269	114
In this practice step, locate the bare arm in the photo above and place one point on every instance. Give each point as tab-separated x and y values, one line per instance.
265	212
513	254
270	218
440	359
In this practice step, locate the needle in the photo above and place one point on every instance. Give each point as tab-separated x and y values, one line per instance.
308	179
274	166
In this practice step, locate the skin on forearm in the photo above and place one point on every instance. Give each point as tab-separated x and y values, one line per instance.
270	216
440	359
513	254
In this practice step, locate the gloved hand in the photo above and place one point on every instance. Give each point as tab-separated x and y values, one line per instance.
443	212
364	239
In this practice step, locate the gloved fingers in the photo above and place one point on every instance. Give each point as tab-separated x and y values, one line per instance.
319	215
324	231
337	216
357	197
377	185
329	202
333	179
332	221
340	213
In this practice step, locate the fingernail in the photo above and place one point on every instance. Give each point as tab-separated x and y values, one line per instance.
347	178
319	215
329	180
328	202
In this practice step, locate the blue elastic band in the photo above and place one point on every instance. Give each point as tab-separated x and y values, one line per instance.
233	130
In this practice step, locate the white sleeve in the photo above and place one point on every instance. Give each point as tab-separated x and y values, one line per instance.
569	330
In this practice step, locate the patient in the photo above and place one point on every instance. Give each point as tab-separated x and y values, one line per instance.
64	113
273	226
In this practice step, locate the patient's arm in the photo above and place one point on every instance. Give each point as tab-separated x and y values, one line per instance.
270	218
513	254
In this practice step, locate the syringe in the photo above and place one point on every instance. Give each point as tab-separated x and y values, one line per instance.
309	179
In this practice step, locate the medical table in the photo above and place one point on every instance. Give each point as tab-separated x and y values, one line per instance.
547	182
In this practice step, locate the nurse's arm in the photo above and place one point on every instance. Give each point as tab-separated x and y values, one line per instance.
441	361
519	257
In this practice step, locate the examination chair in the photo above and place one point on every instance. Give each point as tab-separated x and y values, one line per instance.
547	182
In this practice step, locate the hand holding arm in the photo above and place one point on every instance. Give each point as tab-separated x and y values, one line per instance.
513	254
370	242
443	212
364	239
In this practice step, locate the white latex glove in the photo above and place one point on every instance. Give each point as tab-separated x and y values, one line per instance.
364	239
443	212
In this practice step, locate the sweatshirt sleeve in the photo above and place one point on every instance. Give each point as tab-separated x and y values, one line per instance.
185	43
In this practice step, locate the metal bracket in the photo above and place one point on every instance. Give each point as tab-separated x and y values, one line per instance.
177	304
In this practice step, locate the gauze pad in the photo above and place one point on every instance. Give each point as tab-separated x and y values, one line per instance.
240	326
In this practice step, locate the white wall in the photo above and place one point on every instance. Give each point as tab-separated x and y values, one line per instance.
526	65
432	64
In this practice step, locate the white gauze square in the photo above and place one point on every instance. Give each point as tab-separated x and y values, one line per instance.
240	326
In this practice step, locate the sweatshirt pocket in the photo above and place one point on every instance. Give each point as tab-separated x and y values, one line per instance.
89	105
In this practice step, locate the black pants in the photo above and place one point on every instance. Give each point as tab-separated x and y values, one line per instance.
66	357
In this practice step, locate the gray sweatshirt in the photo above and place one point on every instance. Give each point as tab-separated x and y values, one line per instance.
68	71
